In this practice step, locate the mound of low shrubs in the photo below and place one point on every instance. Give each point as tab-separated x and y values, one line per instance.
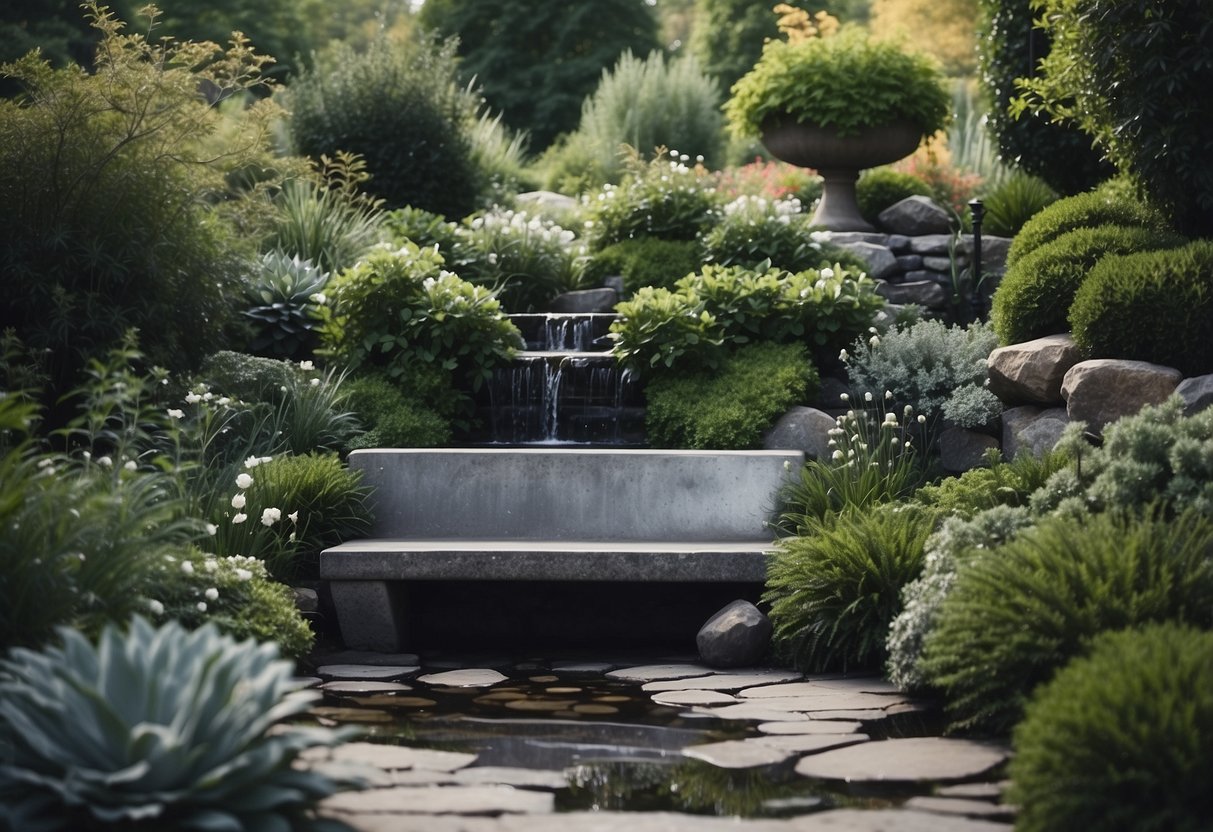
394	419
646	261
753	230
732	406
1103	206
1154	306
1122	738
1034	297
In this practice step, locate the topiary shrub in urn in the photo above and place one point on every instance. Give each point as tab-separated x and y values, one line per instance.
833	99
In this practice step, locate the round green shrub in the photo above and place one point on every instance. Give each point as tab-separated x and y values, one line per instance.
1018	613
664	197
1154	306
1035	295
392	418
249	378
731	407
879	188
1122	738
646	261
1089	210
834	592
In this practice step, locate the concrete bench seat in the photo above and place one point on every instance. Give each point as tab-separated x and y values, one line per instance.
569	515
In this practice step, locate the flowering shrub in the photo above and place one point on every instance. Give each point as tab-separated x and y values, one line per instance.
398	307
772	180
950	186
753	229
664	198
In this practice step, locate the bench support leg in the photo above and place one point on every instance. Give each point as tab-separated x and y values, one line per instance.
371	614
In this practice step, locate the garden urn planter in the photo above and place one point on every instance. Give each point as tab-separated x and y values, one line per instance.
838	159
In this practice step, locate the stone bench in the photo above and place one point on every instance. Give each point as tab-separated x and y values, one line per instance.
549	515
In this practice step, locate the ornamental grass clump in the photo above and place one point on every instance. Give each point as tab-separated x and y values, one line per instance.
1020	612
1122	738
157	728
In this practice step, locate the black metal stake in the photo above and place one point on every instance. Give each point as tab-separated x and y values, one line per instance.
975	299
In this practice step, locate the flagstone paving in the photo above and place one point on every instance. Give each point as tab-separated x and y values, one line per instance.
543	738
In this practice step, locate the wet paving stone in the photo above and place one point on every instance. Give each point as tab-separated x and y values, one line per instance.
723	681
810	743
367	672
935	759
658	672
961	806
694	697
440	800
814	726
465	678
363	688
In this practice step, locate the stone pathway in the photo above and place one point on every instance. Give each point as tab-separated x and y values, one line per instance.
780	727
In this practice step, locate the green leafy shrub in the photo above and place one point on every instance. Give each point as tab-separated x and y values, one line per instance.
393	418
282	294
732	406
834	591
425	228
754	230
399	307
997	484
646	261
1154	306
958	539
938	370
1017	615
248	377
177	726
331	225
648	103
661	198
872	461
658	328
1013	201
112	215
1090	210
879	188
846	81
401	108
1036	293
1122	738
236	594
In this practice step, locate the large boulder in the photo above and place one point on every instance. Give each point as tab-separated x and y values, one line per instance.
1032	430
1032	372
961	450
881	262
915	216
1197	393
801	429
1103	390
736	636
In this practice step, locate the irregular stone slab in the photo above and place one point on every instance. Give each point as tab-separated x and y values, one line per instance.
817	690
693	697
372	657
863	714
364	672
880	260
1103	390
915	759
420	777
931	244
1032	372
366	688
961	449
417	823
887	820
844	238
583	668
942	264
958	806
841	701
1197	393
470	678
754	711
441	800
803	429
858	684
993	253
926	293
813	726
1030	430
724	681
392	757
658	672
915	216
594	821
811	743
523	778
975	791
468	662
738	754
738	635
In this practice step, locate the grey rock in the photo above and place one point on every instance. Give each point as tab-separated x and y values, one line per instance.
757	712
615	283
688	698
736	636
910	262
735	754
816	726
961	449
915	216
802	429
391	757
1032	372
523	778
363	673
583	668
1103	390
898	243
586	300
931	244
1197	393
306	600
922	274
936	263
842	238
660	672
724	681
364	688
881	262
906	760
440	800
993	252
921	292
471	678
1032	430
811	743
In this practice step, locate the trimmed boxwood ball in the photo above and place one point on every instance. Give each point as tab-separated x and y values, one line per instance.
1018	613
1035	295
1121	739
1104	206
1154	306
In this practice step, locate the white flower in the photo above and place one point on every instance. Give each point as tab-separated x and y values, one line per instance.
315	382
104	461
321	299
252	462
155	607
211	594
844	397
787	466
306	366
243	481
238	500
843	356
192	398
239	518
874	341
271	516
130	465
201	606
922	420
187	567
836	455
293	516
243	574
224	402
211	564
173	413
212	529
888	394
867	397
827	272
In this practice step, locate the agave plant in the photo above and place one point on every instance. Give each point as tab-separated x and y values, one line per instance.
157	728
283	295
